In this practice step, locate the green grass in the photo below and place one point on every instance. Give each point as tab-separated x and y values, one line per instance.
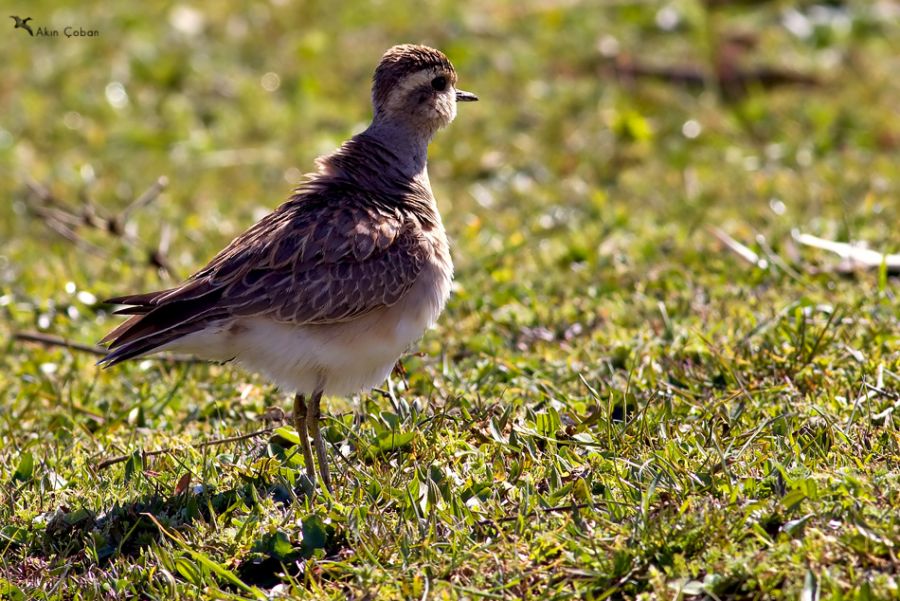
613	405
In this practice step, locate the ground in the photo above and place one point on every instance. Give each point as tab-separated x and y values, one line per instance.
614	403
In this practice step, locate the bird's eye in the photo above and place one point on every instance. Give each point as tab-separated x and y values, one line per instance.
439	83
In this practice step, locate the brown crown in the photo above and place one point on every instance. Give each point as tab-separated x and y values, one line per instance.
400	61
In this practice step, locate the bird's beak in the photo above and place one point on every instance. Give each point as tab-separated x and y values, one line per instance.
462	96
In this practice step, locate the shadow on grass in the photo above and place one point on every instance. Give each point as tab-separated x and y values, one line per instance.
85	541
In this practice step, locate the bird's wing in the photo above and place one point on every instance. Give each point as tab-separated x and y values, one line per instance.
305	263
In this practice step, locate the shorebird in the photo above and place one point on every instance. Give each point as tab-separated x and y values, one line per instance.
325	293
22	24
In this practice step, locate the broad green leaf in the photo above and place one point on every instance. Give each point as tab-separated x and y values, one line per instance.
288	434
26	467
314	533
10	591
280	546
392	440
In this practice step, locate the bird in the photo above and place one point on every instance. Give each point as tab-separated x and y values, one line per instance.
324	294
22	24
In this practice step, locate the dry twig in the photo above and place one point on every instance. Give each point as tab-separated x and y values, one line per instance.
739	249
66	222
539	510
48	340
209	443
854	257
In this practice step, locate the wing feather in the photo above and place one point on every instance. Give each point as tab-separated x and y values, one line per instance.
308	262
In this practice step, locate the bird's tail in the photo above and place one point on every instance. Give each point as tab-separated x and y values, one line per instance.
154	323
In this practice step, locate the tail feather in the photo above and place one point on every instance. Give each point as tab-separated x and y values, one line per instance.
141	304
136	310
137	299
137	348
138	338
157	320
120	329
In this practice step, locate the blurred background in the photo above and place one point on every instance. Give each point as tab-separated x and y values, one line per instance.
581	191
607	130
579	194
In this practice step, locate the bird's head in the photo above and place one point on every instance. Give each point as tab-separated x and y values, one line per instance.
417	85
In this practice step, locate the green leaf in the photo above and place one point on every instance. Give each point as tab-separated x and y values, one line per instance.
10	591
547	423
189	571
314	533
792	526
15	535
214	567
393	440
280	547
134	465
793	498
581	491
391	419
26	467
287	433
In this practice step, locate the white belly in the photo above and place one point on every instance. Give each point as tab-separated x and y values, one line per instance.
344	358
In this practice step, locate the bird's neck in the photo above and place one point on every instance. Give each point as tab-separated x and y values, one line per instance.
404	140
389	161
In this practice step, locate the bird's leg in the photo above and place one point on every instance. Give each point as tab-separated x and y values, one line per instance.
312	419
300	424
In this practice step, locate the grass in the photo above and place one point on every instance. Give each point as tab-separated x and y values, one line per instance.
612	406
